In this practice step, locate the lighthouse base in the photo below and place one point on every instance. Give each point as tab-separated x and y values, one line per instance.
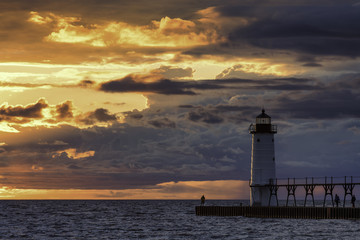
261	197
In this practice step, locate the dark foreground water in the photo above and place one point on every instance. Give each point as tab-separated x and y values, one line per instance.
155	219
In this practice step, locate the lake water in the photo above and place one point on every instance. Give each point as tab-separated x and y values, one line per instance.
153	219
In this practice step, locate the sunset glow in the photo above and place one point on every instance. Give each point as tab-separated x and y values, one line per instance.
186	190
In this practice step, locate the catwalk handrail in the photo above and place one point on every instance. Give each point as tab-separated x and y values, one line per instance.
306	181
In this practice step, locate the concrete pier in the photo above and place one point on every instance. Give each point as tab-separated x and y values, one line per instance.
280	212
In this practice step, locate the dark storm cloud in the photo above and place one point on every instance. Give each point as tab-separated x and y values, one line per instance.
218	114
311	64
170	87
340	99
64	110
103	115
328	29
163	86
204	116
322	105
169	72
135	114
296	98
74	167
44	141
86	83
99	115
309	61
162	123
269	84
30	111
94	11
125	157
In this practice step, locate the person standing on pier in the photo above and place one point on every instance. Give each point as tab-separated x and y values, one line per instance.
202	200
353	199
337	200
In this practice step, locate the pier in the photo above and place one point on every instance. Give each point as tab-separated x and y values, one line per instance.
280	212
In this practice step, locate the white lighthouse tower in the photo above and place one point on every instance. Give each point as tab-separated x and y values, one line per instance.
262	160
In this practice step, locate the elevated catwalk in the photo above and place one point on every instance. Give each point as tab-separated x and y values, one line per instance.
328	184
280	212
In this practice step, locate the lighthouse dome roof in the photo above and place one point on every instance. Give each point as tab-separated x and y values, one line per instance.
263	114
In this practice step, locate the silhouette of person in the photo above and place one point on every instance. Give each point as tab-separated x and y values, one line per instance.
337	200
202	200
353	199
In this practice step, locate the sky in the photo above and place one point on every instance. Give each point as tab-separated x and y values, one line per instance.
153	99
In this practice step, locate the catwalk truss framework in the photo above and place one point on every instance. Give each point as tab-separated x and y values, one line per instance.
309	185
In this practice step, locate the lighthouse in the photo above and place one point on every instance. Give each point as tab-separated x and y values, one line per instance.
262	160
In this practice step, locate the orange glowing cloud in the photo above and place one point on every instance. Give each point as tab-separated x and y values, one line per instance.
42	113
168	32
74	154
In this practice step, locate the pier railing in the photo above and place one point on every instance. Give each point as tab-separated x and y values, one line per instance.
309	184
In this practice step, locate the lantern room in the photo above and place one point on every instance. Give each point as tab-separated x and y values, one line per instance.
263	124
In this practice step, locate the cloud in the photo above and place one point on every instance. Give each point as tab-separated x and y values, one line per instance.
101	115
335	100
54	143
36	18
86	83
137	83
312	64
169	72
130	83
249	71
314	29
135	114
355	130
22	113
126	156
223	113
74	154
116	194
204	116
43	114
163	122
321	105
168	32
64	110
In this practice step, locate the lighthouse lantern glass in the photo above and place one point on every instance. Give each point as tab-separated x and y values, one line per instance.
265	120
